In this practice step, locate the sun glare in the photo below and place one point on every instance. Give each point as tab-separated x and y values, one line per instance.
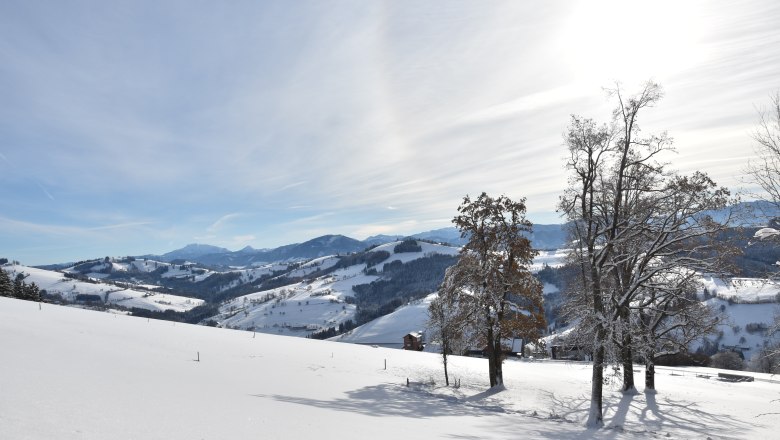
631	41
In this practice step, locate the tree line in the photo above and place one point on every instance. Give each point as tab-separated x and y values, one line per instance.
18	288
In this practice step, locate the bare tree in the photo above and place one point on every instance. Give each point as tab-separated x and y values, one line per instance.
764	170
633	223
669	317
447	321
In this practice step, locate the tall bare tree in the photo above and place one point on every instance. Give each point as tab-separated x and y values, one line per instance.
632	222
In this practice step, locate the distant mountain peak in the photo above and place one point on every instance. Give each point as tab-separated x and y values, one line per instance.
194	250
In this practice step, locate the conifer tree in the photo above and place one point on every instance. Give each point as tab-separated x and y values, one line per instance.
6	287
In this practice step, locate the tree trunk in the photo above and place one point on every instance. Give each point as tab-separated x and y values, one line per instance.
444	361
649	375
491	349
498	361
626	353
595	415
628	371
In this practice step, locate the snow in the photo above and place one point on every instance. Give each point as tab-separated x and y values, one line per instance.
554	258
56	284
747	290
299	309
764	233
739	316
71	373
405	257
389	330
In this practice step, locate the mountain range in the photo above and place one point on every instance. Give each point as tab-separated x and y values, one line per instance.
546	237
542	237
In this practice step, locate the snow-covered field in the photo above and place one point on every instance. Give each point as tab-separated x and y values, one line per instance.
743	290
55	283
76	374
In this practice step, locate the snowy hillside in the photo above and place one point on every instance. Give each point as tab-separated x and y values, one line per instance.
749	306
105	269
55	283
311	305
554	258
389	330
746	326
742	290
122	377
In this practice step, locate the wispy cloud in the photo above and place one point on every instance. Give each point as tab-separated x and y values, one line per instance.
313	218
222	221
51	197
354	129
121	226
292	185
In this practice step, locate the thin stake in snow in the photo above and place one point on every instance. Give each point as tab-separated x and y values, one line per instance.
385	364
198	358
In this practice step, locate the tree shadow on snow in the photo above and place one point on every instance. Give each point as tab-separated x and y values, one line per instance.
399	400
686	415
641	413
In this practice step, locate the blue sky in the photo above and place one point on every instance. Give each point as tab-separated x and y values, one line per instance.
141	126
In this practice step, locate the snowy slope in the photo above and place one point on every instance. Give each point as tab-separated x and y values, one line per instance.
100	269
743	290
56	284
747	303
405	257
312	305
122	377
734	333
389	330
554	258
